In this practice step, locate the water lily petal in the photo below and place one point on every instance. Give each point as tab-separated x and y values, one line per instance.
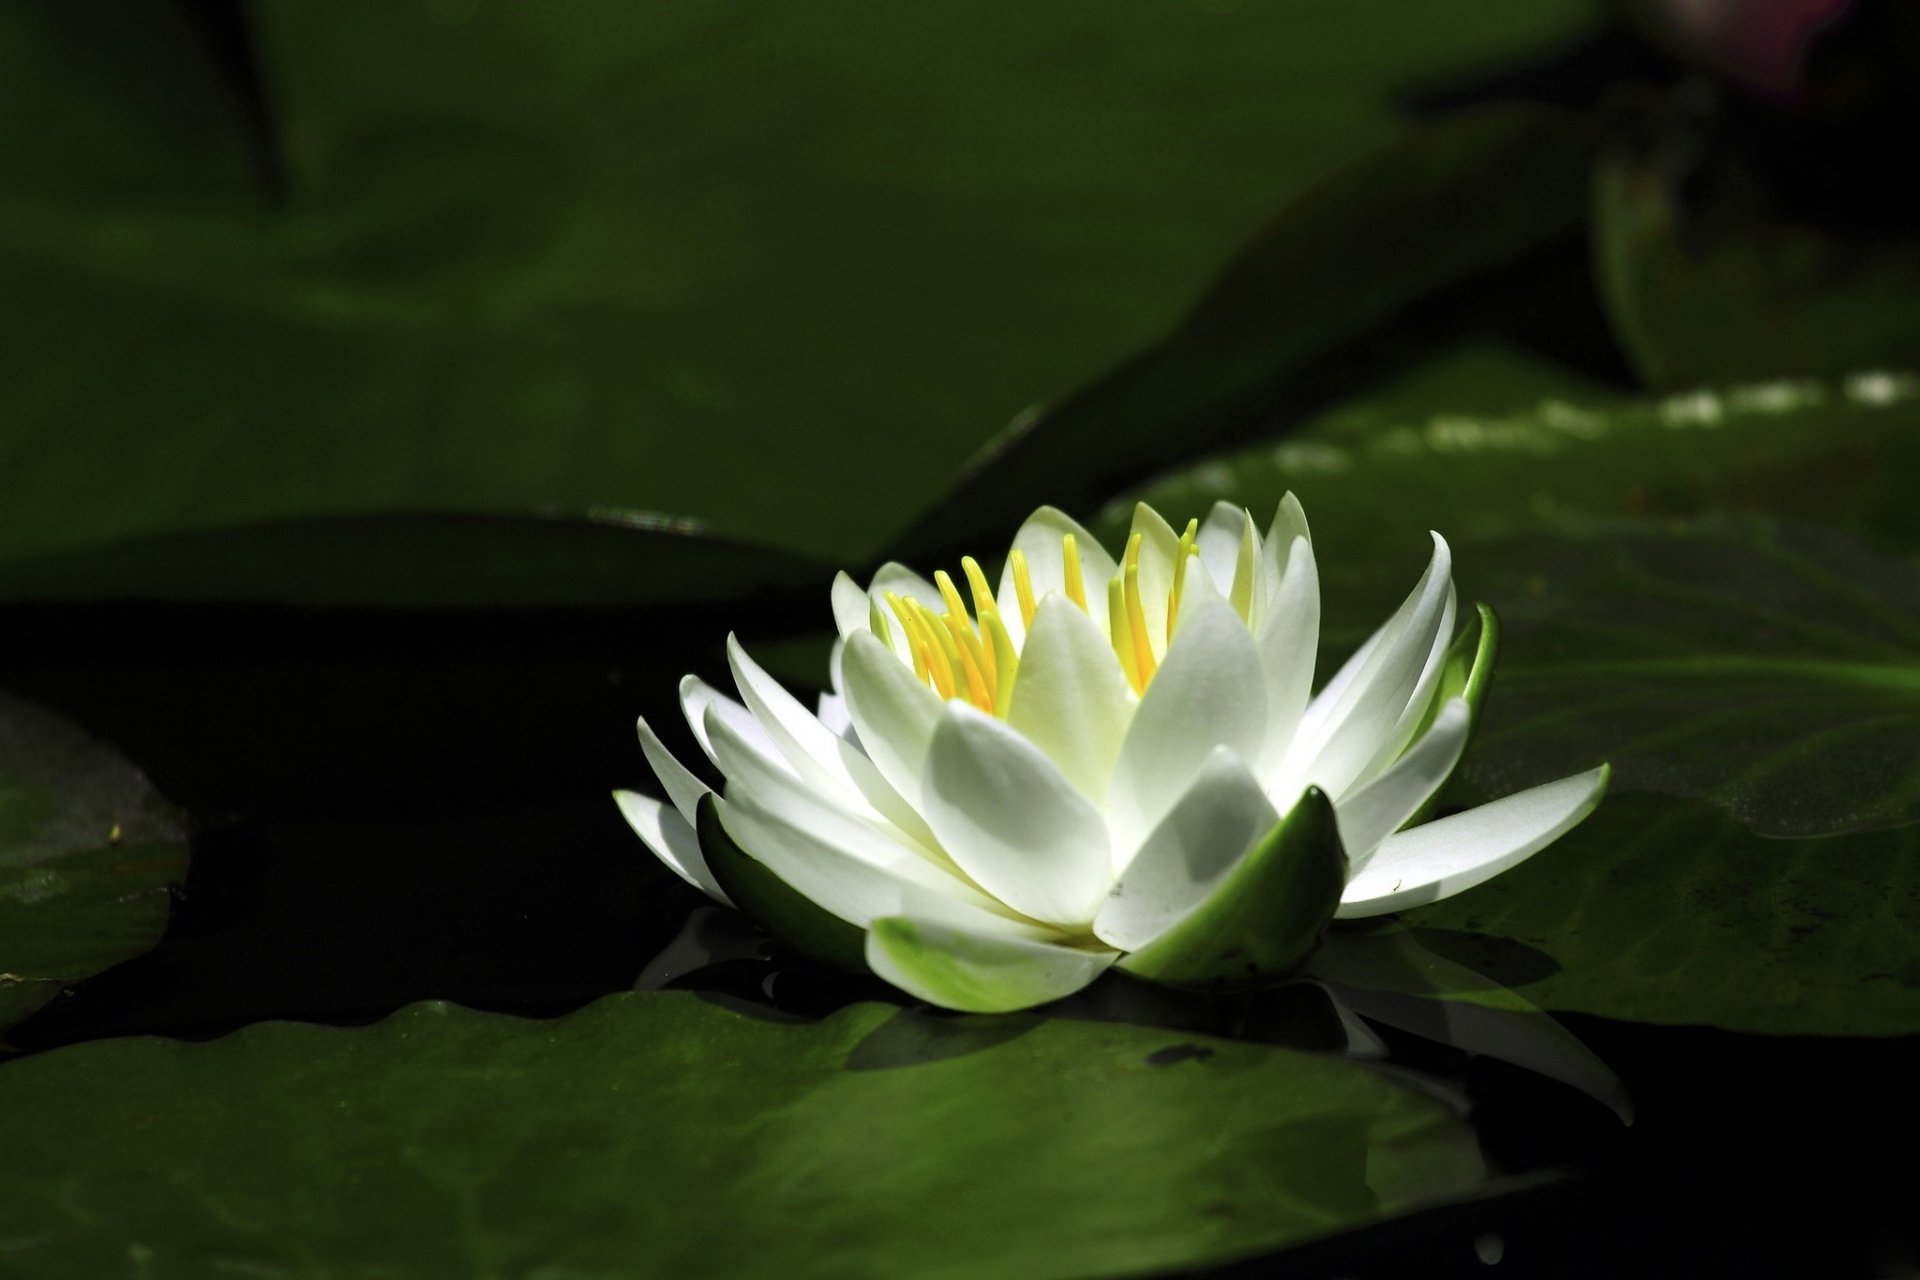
818	754
1040	541
1209	693
1222	534
1072	700
832	712
752	774
893	712
1007	815
696	695
1382	807
681	786
850	873
852	607
1439	859
672	840
1353	730
1202	838
976	972
1289	640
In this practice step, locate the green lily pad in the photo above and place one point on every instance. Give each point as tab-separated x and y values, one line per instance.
87	850
515	278
658	1134
1754	681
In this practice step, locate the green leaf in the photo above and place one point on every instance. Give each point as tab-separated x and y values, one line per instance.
525	274
771	903
1718	284
1749	678
658	1134
1263	917
87	850
1446	202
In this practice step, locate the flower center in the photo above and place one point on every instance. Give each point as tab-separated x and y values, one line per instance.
969	653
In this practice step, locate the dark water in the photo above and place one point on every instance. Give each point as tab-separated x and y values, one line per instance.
395	807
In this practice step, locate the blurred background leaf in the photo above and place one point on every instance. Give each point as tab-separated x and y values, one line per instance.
776	269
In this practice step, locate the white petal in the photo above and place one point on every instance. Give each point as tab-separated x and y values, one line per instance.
832	712
1040	542
672	840
1011	820
1221	535
967	913
1380	808
1355	729
696	695
851	606
681	786
893	712
1439	859
1202	838
834	860
818	754
1289	645
1209	693
1072	700
976	972
898	579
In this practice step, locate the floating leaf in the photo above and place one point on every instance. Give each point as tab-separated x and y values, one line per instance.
658	1134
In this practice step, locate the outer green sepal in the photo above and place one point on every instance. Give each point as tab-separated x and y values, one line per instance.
1265	916
773	904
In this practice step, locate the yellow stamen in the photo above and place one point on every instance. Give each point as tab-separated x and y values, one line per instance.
949	665
1022	586
951	594
1006	663
983	601
1122	636
922	660
968	645
1137	614
1070	555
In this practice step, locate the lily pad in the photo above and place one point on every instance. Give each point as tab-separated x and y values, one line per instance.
517	278
87	850
658	1134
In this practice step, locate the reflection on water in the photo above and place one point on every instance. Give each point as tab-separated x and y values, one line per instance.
1374	994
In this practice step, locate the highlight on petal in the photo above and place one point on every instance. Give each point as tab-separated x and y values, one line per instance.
1223	534
671	839
976	972
1007	815
1448	856
1072	700
851	606
1209	693
1202	838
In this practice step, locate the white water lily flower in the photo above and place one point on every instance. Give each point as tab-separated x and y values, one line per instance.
1100	762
